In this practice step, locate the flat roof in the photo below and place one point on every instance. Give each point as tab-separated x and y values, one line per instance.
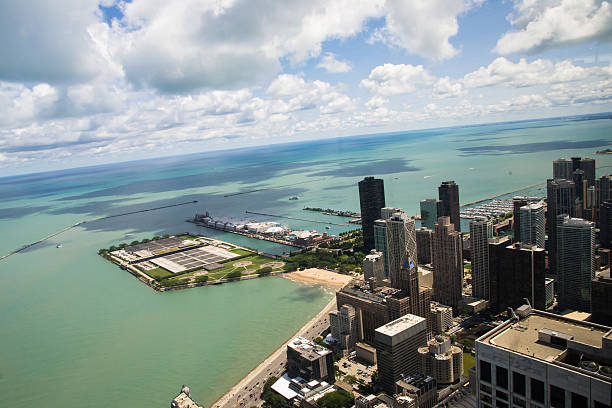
307	348
522	336
400	329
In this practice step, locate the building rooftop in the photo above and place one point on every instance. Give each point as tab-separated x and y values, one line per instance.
307	348
361	289
555	339
400	329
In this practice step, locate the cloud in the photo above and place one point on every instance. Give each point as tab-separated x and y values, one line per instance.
228	44
523	73
331	64
391	79
446	88
546	24
423	27
48	42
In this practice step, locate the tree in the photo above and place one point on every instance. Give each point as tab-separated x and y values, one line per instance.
264	271
201	278
336	399
233	275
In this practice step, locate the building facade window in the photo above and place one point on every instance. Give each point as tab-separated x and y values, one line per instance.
579	400
557	397
501	395
485	371
518	383
501	377
537	390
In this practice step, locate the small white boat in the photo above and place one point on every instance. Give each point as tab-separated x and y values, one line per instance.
294	198
327	227
59	246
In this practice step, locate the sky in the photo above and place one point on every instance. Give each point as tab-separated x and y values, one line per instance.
87	82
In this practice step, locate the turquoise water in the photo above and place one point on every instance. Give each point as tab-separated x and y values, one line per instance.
79	332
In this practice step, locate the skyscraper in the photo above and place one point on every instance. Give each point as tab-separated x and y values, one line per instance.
605	224
562	169
481	229
561	198
576	262
533	225
371	200
517	271
601	298
396	345
429	212
447	263
423	237
380	242
517	203
448	193
401	244
587	165
387	212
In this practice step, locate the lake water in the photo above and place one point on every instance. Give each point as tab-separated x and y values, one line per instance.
77	331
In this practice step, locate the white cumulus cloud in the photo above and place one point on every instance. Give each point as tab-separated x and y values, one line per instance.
331	64
542	24
395	79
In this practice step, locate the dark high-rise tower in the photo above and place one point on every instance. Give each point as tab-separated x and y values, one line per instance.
517	203
587	165
448	193
561	199
605	224
371	200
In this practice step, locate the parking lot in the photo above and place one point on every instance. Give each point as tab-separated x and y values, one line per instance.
356	368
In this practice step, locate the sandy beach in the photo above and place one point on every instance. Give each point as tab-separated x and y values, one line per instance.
319	276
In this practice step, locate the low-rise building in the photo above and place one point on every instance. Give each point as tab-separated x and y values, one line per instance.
420	387
308	360
539	359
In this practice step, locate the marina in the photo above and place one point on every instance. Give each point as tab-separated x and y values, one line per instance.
494	208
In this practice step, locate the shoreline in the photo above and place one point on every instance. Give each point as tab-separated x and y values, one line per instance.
261	367
319	277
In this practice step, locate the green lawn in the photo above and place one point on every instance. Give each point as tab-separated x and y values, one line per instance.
159	273
468	362
240	252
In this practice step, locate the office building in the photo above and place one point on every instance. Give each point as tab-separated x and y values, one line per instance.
576	268
380	243
423	239
549	291
517	203
447	263
579	180
532	225
448	192
374	267
442	317
343	324
421	387
309	361
481	229
539	359
603	188
396	345
387	212
371	200
562	169
601	298
517	272
430	208
605	224
587	166
442	360
561	199
401	244
374	305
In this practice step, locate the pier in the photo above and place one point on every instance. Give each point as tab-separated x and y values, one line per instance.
294	218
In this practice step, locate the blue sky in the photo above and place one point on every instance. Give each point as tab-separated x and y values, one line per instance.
95	81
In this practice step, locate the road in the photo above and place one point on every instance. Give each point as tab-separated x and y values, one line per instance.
248	391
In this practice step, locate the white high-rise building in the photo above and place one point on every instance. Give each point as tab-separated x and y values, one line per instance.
481	229
533	224
401	244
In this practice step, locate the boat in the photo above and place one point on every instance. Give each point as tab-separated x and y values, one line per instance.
58	245
327	227
294	198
